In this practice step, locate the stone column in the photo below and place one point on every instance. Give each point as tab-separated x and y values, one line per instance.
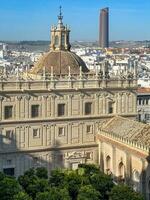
53	111
104	104
81	104
97	104
18	110
70	104
27	111
27	136
134	103
69	133
44	106
48	136
101	105
53	139
1	110
127	102
49	106
119	103
114	167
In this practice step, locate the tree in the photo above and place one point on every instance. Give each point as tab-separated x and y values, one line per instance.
28	178
22	196
124	192
8	188
89	169
41	172
2	176
53	194
57	178
40	185
73	183
88	193
32	184
102	183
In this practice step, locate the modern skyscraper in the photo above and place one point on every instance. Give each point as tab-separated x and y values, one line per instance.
104	28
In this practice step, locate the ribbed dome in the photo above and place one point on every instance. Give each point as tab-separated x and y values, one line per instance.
60	61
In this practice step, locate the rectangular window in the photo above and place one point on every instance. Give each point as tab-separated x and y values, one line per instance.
8	112
110	107
35	111
36	133
88	108
9	134
61	109
9	171
88	155
61	131
8	162
89	129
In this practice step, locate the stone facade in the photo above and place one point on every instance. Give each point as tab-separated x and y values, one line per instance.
126	156
35	140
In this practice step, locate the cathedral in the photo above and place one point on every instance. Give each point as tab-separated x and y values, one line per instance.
60	114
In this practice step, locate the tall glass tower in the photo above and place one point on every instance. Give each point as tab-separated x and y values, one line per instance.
104	28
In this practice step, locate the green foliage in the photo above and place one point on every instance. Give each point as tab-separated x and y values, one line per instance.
8	188
32	184
2	176
28	178
73	183
102	183
40	185
89	169
85	183
88	193
57	178
22	196
53	194
124	192
41	172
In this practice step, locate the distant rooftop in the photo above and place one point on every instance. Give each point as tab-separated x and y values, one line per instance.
143	90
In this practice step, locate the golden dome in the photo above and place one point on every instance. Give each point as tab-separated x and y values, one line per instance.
60	61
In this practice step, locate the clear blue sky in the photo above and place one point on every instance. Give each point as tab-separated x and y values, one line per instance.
31	19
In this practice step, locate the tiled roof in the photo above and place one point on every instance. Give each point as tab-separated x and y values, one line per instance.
143	90
128	129
60	61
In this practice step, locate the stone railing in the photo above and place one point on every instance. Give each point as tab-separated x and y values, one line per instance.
126	141
52	82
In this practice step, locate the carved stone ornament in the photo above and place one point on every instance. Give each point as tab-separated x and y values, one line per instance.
1	98
19	98
28	97
75	155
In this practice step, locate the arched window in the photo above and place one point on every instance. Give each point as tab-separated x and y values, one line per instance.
121	171
110	107
108	163
136	180
56	40
63	39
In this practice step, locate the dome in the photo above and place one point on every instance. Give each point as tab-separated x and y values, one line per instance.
60	61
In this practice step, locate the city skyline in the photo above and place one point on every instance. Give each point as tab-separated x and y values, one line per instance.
31	20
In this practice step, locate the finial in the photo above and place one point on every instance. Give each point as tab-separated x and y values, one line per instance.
60	13
60	17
